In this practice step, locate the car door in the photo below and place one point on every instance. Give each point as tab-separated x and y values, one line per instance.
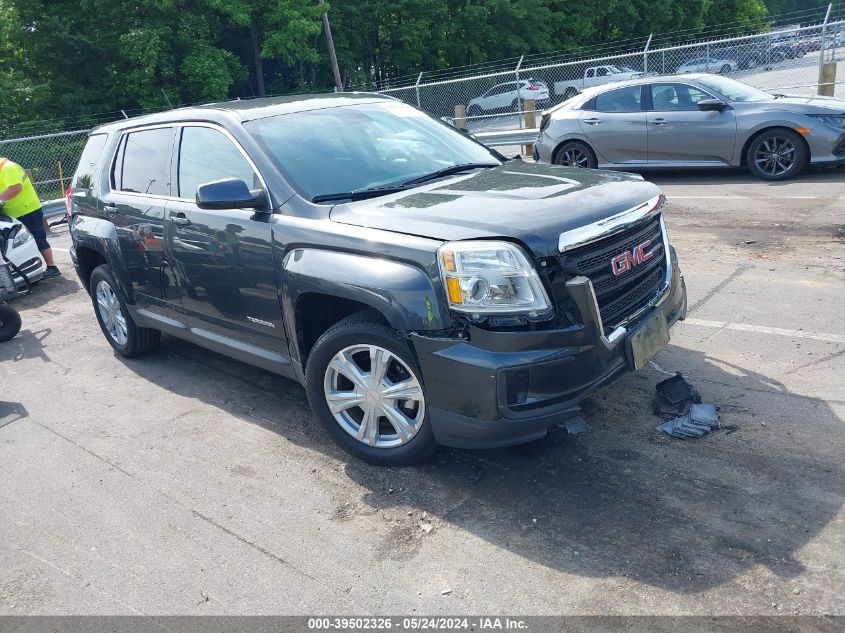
614	123
223	259
505	95
678	132
134	204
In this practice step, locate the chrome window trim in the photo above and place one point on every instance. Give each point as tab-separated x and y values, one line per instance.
175	125
596	231
227	134
121	134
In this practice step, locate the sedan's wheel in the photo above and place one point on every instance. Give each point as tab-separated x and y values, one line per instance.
364	386
725	69
474	110
575	154
777	155
115	321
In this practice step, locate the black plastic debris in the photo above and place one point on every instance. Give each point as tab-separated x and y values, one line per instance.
674	396
576	425
699	420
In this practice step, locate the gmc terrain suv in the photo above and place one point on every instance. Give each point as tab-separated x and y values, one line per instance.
423	289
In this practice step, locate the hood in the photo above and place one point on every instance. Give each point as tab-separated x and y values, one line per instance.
524	201
803	105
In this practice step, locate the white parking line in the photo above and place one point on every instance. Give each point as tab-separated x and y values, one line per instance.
763	329
774	197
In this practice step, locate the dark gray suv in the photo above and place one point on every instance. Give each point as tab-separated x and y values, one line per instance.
423	289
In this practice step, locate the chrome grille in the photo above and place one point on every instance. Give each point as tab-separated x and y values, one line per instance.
620	296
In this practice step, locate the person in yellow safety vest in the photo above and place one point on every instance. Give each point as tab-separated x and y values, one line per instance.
22	203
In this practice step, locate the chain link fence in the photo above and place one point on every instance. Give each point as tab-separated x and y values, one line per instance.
489	99
790	59
50	159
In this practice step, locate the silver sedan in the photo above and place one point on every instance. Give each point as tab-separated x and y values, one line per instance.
693	121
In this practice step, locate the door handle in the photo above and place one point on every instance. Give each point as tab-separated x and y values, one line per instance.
180	219
659	122
592	121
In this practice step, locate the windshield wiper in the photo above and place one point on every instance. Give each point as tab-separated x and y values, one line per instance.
359	194
448	171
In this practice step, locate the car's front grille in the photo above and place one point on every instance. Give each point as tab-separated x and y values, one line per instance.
619	296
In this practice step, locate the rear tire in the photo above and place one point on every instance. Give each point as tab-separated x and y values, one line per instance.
10	323
340	367
725	69
569	93
777	154
576	154
117	325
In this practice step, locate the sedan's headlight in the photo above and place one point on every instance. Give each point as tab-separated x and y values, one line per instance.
487	278
21	237
831	119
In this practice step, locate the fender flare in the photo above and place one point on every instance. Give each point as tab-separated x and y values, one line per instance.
100	236
403	293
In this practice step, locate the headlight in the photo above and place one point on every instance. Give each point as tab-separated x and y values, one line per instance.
831	119
486	278
22	237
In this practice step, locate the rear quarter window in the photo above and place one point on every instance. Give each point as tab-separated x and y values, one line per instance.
92	154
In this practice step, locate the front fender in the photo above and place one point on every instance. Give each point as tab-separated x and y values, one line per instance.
404	294
100	236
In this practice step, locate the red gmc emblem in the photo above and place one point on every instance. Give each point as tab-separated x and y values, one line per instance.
626	261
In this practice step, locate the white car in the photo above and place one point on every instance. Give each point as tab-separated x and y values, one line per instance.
505	96
708	65
22	251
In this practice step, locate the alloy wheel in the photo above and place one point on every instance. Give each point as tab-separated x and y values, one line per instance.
573	157
111	313
775	155
374	396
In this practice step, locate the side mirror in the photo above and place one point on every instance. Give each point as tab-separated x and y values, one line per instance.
230	193
712	105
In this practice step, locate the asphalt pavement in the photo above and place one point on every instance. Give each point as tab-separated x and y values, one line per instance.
187	483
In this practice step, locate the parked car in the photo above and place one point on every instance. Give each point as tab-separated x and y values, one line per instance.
506	96
694	121
721	65
594	76
21	250
427	293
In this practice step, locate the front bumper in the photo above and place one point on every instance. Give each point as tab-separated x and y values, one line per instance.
499	388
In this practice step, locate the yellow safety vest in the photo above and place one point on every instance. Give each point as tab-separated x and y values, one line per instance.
27	200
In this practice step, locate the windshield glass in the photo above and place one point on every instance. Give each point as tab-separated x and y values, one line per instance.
733	90
355	147
614	70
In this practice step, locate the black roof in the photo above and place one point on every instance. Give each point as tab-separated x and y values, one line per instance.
246	109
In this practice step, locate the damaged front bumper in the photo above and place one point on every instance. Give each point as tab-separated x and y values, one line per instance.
499	388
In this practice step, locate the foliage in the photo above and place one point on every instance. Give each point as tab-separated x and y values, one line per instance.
73	59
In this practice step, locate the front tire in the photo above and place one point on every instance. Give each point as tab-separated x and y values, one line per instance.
364	386
474	110
576	154
117	325
777	154
725	69
10	323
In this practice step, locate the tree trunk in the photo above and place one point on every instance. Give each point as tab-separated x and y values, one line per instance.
259	63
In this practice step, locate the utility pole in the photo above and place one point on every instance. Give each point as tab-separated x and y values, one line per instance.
338	84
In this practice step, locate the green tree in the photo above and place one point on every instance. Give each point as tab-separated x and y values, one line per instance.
283	29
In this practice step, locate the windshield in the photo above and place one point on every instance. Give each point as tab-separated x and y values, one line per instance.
614	70
733	90
357	147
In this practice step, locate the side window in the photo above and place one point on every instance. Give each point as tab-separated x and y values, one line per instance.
619	100
590	73
602	72
668	97
143	162
206	154
84	175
